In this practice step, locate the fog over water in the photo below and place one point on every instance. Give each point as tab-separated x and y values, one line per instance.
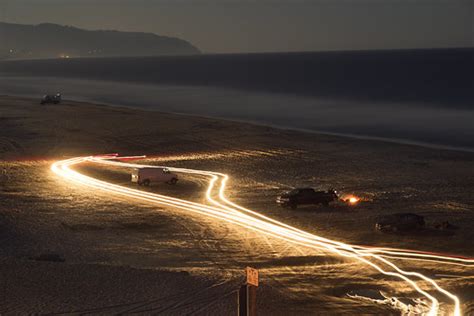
411	95
409	122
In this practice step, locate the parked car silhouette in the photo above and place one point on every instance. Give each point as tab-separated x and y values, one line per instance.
50	98
400	222
303	196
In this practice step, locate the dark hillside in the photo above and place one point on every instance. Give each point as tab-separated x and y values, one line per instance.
54	41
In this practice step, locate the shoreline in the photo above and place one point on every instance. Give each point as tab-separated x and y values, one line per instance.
398	141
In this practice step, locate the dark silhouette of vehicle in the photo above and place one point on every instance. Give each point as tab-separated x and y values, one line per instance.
50	98
445	226
400	222
306	196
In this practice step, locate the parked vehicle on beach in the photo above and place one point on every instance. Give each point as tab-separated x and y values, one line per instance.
305	196
400	222
147	175
51	98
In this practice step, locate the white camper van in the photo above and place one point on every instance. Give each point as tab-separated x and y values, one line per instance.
147	175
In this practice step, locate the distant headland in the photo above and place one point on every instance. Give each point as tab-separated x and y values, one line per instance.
57	41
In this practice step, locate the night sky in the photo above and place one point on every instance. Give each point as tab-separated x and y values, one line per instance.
224	26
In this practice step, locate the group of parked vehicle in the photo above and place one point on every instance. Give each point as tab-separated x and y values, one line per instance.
300	196
399	222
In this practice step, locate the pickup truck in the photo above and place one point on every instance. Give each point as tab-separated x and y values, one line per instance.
305	196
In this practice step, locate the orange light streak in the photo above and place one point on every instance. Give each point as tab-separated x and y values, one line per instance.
224	209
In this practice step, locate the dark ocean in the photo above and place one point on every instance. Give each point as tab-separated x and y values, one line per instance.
413	96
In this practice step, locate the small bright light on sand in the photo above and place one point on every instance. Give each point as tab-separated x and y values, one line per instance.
350	199
353	200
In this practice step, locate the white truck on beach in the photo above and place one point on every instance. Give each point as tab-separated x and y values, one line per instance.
147	175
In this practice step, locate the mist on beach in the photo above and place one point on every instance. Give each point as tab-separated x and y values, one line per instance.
393	95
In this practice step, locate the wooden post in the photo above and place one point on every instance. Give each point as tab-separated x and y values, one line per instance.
242	301
252	300
247	299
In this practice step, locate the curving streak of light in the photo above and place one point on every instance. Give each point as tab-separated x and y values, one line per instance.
404	254
230	212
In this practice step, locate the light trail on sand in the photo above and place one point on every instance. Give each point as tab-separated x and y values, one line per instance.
404	254
225	210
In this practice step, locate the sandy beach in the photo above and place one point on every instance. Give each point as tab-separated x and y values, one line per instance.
124	257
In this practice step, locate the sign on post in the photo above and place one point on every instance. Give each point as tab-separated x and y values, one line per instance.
252	276
247	297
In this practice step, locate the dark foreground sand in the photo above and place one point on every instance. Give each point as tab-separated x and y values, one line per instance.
123	257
